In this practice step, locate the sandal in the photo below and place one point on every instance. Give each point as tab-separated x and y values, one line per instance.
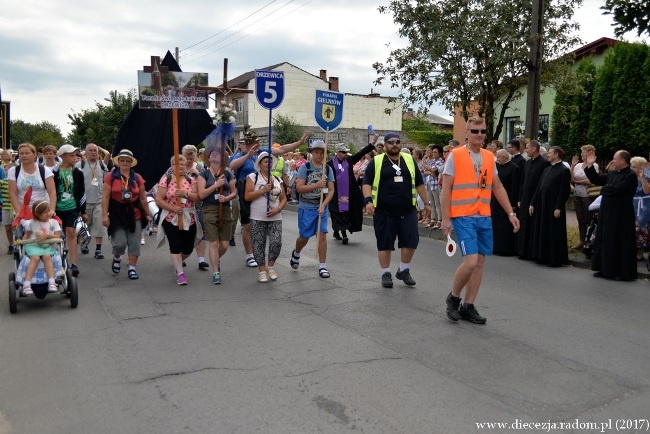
251	262
272	274
324	273
294	261
133	275
116	265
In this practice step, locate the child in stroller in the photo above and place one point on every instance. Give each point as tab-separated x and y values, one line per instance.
42	227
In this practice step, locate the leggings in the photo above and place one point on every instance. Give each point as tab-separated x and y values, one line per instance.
259	232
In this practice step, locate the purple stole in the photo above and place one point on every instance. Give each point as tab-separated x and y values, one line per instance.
342	183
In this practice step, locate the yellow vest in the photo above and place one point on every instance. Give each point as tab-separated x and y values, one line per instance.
379	159
279	168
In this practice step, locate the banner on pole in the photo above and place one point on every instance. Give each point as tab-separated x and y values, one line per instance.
329	109
172	90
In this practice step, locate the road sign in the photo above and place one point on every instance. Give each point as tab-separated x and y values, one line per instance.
269	88
329	109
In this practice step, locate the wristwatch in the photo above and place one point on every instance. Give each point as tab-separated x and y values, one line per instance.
512	213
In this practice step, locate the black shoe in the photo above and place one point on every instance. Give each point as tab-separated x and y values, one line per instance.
232	242
345	240
10	251
453	306
74	269
85	250
99	254
203	266
405	275
387	280
469	313
337	236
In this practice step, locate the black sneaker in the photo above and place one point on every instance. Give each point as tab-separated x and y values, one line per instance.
10	250
74	269
99	254
405	275
469	313
232	242
85	250
387	280
453	306
337	236
203	265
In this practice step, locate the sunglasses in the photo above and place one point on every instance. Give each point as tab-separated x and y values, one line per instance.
394	142
473	131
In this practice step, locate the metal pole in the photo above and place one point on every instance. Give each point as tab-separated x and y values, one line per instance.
535	70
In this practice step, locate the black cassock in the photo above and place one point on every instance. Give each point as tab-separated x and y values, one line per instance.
352	220
615	246
549	233
505	240
532	173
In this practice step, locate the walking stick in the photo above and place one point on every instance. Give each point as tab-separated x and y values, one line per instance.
323	177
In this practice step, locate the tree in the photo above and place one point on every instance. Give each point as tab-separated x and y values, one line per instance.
573	106
101	124
629	15
422	132
469	50
36	134
620	115
285	129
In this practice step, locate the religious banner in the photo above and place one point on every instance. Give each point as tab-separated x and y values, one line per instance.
159	89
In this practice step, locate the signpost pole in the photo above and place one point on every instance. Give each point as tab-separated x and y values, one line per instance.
323	178
270	159
177	168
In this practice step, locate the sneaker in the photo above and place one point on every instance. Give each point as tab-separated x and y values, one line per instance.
216	278
387	280
232	242
272	274
203	265
85	250
10	251
99	254
74	269
27	290
453	306
337	236
263	277
52	288
405	275
181	280
251	262
469	313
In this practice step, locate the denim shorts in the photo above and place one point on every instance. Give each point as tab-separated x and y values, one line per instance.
308	222
474	235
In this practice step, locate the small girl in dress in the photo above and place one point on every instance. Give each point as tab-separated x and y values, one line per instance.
42	227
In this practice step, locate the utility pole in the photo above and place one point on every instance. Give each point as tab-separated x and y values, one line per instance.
534	70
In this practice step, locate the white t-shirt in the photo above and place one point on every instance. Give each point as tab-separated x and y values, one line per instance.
258	206
26	180
579	175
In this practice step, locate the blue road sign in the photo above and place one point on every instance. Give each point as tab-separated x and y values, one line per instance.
269	88
329	109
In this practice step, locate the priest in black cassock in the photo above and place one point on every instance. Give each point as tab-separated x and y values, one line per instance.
532	173
504	239
548	208
346	207
615	247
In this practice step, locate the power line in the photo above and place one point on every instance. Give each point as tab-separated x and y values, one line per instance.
238	22
253	32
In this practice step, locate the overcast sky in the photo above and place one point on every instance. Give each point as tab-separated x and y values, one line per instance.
61	56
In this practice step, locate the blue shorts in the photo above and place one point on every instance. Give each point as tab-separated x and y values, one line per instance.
308	222
474	235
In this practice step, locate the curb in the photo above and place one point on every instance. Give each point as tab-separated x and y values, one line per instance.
577	260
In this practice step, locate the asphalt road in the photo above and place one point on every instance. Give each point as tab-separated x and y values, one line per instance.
313	355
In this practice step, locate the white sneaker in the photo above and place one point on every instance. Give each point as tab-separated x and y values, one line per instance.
142	241
27	290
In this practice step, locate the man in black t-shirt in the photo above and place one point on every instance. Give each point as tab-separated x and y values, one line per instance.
390	197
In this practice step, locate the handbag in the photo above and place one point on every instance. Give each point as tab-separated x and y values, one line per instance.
593	191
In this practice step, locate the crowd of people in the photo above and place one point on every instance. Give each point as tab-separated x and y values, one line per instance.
493	198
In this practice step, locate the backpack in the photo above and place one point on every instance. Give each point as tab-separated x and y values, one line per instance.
41	170
312	196
101	165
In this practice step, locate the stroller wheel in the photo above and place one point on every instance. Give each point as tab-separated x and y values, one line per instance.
12	293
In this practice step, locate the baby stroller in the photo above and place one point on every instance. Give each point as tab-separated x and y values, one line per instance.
83	236
590	236
66	282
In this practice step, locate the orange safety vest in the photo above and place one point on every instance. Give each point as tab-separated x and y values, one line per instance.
470	196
